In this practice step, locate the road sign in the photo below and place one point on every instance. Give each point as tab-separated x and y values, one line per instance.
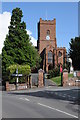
17	75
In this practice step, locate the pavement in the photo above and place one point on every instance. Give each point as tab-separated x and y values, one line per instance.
46	102
49	82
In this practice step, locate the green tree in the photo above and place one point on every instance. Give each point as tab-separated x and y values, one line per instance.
74	52
17	46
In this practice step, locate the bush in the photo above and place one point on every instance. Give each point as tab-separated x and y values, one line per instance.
54	73
22	69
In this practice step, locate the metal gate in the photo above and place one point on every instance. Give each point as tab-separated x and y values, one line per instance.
34	78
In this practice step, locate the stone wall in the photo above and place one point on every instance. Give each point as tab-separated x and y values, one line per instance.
10	87
28	84
74	81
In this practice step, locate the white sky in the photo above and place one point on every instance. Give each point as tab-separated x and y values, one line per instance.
4	23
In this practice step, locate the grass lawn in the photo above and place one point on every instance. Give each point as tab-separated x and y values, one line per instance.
57	80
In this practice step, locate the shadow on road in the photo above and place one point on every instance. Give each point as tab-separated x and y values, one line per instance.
72	95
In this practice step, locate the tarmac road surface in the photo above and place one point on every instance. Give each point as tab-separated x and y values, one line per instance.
47	102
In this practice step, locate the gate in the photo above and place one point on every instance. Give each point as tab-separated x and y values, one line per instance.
34	78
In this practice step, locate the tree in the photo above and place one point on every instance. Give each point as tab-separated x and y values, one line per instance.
74	52
17	46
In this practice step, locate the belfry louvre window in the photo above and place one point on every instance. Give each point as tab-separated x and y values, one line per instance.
59	54
48	32
50	57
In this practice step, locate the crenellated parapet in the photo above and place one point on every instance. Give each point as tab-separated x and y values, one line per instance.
48	21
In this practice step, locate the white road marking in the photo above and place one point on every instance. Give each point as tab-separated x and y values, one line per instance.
21	98
24	99
27	99
58	110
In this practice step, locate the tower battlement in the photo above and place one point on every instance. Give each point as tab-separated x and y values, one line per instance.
48	21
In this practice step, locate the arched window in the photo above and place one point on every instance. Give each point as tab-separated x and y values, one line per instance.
50	57
48	32
59	54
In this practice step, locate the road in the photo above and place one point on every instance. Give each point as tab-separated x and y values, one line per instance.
47	102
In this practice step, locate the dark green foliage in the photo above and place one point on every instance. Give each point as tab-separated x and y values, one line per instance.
17	46
74	52
22	69
54	73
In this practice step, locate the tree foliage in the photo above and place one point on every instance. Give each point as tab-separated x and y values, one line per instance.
74	52
17	46
22	69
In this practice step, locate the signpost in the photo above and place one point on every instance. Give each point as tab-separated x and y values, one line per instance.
17	75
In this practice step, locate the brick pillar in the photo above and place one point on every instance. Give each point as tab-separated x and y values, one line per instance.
40	78
7	86
65	77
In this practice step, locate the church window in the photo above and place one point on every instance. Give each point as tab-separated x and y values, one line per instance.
50	57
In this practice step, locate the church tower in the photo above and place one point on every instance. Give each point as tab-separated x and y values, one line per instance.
47	47
46	34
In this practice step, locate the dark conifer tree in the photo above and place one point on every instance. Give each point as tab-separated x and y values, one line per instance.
74	52
17	46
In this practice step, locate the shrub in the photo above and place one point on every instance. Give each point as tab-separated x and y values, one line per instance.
22	69
54	73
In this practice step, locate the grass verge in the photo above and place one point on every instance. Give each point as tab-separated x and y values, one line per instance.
57	80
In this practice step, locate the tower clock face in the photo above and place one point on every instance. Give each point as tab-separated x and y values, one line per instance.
47	37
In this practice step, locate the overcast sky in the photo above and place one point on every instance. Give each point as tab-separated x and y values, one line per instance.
66	15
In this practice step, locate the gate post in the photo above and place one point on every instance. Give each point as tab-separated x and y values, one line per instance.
40	78
65	77
7	86
27	81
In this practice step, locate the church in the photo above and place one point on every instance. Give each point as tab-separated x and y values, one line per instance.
47	45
